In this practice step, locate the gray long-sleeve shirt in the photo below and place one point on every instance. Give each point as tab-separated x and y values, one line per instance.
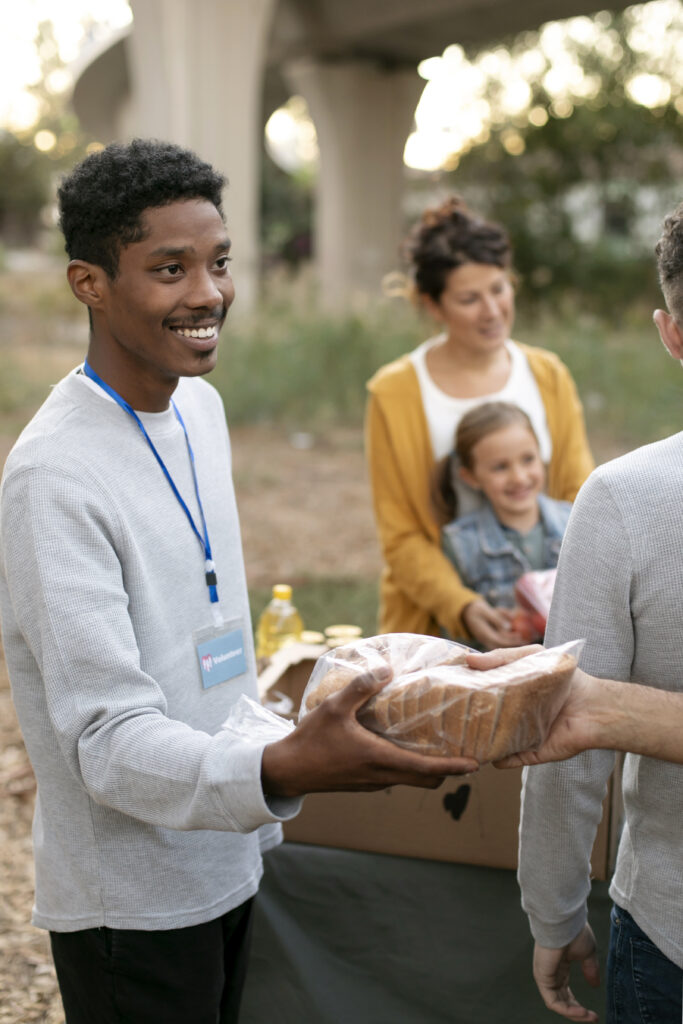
619	585
147	816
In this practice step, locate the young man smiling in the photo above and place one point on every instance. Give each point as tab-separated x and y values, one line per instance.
126	623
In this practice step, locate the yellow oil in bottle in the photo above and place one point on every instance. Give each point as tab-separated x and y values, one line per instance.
279	624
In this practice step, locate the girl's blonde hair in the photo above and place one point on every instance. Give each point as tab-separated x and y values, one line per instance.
475	425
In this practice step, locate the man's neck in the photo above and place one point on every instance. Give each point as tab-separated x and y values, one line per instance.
141	393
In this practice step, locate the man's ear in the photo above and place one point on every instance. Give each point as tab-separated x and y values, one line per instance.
87	282
468	478
670	333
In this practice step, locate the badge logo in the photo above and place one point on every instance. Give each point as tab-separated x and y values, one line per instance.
207	662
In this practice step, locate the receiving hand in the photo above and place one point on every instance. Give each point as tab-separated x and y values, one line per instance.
551	973
575	727
330	750
491	627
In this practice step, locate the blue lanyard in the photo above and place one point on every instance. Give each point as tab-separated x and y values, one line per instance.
203	538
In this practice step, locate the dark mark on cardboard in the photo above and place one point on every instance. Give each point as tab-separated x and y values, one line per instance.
457	802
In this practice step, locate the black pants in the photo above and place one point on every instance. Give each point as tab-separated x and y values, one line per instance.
182	976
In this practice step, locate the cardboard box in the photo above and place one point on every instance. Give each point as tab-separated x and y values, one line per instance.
469	820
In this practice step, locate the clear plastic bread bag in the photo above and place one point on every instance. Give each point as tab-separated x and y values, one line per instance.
435	704
534	594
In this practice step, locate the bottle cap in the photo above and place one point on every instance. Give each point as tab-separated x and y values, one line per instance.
282	591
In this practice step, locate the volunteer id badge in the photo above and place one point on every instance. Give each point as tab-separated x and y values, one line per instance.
221	654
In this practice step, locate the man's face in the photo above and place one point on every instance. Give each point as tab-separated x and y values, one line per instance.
160	317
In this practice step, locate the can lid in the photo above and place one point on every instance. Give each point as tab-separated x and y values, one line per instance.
345	632
282	591
311	636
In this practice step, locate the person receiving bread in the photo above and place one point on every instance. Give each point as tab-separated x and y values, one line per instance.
460	265
619	587
599	714
517	529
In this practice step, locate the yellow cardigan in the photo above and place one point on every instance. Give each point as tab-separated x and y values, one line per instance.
420	589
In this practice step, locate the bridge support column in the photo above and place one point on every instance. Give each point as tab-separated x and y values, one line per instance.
196	70
363	115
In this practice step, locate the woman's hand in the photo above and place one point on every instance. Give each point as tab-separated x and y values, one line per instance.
491	627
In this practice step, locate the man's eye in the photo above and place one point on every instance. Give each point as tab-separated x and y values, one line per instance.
222	262
171	269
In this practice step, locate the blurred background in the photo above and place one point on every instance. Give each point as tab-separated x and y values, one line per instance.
568	131
336	124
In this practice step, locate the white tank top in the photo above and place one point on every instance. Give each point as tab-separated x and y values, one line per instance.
443	412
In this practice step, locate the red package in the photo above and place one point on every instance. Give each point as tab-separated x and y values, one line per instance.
534	593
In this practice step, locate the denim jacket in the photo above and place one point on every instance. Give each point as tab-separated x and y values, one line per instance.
486	559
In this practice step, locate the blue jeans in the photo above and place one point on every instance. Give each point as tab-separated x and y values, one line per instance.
643	985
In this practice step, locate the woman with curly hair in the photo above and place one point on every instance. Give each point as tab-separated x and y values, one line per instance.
461	275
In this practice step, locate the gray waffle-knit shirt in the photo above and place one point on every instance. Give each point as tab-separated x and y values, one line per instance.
619	585
147	816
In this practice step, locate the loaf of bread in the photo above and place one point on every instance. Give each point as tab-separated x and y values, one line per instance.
436	704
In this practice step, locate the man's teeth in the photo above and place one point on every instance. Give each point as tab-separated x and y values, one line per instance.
196	332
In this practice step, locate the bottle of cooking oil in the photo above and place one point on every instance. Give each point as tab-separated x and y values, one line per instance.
280	623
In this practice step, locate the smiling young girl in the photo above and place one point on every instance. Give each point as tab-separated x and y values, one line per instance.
517	528
460	268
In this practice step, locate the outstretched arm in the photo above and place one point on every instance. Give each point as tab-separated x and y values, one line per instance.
602	714
330	750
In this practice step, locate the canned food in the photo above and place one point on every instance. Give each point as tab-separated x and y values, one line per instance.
311	636
343	632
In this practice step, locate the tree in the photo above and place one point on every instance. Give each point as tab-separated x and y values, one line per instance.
583	176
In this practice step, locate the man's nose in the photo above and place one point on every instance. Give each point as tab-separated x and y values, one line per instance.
203	291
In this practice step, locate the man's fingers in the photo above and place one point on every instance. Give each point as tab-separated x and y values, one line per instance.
420	766
519	760
361	689
503	656
591	970
562	1001
572	1011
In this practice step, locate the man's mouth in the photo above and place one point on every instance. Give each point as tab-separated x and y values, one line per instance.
204	328
197	332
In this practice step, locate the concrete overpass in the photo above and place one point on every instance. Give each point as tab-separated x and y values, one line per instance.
208	73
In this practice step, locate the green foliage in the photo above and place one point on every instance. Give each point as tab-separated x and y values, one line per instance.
631	389
27	175
24	189
286	215
291	365
583	195
324	602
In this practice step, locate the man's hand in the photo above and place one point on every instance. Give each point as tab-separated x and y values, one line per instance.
489	626
576	725
330	750
551	974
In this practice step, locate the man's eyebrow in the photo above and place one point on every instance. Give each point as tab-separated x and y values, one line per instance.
169	251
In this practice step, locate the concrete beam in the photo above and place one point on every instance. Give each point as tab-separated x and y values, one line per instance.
196	71
363	115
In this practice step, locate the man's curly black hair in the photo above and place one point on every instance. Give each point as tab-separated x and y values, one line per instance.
101	202
669	253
